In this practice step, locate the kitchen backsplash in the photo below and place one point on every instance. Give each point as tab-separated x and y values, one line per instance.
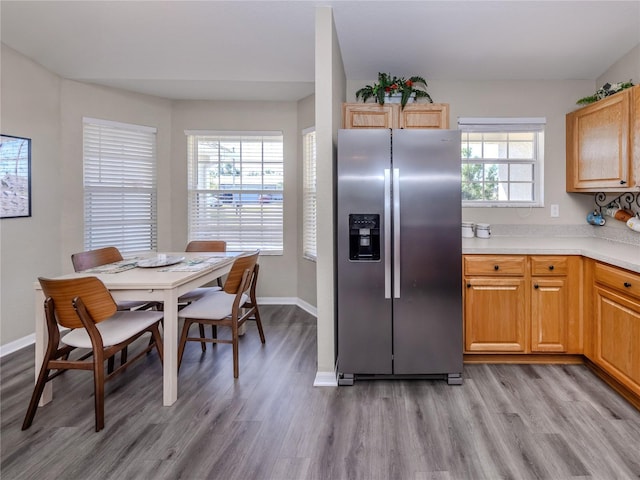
623	235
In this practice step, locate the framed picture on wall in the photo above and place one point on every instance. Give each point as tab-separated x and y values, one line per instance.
15	176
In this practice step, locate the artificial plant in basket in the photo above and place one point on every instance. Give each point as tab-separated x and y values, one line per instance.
387	85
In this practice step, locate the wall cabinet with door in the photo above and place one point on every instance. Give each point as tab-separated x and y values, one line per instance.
615	324
417	115
522	304
603	144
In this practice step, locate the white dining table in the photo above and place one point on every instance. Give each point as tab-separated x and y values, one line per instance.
164	284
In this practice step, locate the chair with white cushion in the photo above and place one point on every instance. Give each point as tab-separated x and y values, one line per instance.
102	256
85	306
203	246
198	293
230	307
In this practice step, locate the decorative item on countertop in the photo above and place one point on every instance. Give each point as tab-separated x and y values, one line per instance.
634	223
467	229
388	86
594	218
615	211
604	91
483	230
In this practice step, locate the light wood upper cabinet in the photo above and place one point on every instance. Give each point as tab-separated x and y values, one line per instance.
603	148
416	115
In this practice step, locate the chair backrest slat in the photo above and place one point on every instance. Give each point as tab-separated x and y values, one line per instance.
206	246
94	258
95	296
234	279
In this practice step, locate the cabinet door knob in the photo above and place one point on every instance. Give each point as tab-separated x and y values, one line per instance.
536	286
496	267
622	182
550	267
627	284
468	285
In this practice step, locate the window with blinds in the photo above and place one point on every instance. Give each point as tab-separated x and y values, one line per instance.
502	161
119	186
235	188
309	197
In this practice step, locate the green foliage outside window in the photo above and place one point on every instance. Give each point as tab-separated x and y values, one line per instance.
478	183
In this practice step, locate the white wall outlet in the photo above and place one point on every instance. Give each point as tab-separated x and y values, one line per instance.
555	210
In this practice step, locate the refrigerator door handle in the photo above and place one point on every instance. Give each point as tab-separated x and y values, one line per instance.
387	233
396	233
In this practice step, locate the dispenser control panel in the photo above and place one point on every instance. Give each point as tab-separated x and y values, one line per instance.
364	237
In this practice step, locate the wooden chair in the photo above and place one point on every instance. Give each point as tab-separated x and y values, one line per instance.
198	293
87	307
203	246
231	307
102	256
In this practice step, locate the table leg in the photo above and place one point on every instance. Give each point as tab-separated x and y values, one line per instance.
41	346
170	342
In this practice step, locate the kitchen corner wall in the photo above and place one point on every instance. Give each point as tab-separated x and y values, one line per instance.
550	99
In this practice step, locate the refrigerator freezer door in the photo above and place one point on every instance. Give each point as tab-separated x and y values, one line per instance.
427	318
364	315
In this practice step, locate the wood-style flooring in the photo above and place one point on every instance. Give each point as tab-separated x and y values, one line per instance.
504	422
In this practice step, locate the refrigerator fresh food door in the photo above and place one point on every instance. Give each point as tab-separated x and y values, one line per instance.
364	314
427	315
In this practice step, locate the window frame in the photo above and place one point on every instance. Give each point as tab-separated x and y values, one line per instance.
309	194
119	185
509	125
269	214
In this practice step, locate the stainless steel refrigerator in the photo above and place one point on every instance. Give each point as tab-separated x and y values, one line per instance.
399	254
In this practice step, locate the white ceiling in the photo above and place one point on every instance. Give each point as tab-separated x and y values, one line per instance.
264	50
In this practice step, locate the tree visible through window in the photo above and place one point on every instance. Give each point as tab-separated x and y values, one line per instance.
502	161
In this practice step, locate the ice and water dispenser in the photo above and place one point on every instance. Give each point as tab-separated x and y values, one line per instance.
364	237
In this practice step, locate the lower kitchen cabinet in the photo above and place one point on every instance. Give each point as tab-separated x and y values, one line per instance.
522	304
616	324
495	300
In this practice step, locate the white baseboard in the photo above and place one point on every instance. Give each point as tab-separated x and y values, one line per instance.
326	379
31	338
307	307
17	344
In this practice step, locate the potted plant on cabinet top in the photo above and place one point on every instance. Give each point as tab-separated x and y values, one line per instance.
388	87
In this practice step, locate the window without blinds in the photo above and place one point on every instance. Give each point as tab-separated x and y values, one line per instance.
502	161
119	186
309	194
236	184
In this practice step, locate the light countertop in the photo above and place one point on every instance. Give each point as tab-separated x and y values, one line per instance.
620	254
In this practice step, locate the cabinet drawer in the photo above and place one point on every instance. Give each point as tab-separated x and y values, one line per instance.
549	265
618	279
498	265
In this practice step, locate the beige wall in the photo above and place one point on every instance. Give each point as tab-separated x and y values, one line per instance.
330	93
625	69
549	99
48	109
306	268
80	100
278	273
29	247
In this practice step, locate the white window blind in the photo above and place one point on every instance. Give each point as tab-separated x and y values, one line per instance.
309	197
502	161
119	186
235	188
